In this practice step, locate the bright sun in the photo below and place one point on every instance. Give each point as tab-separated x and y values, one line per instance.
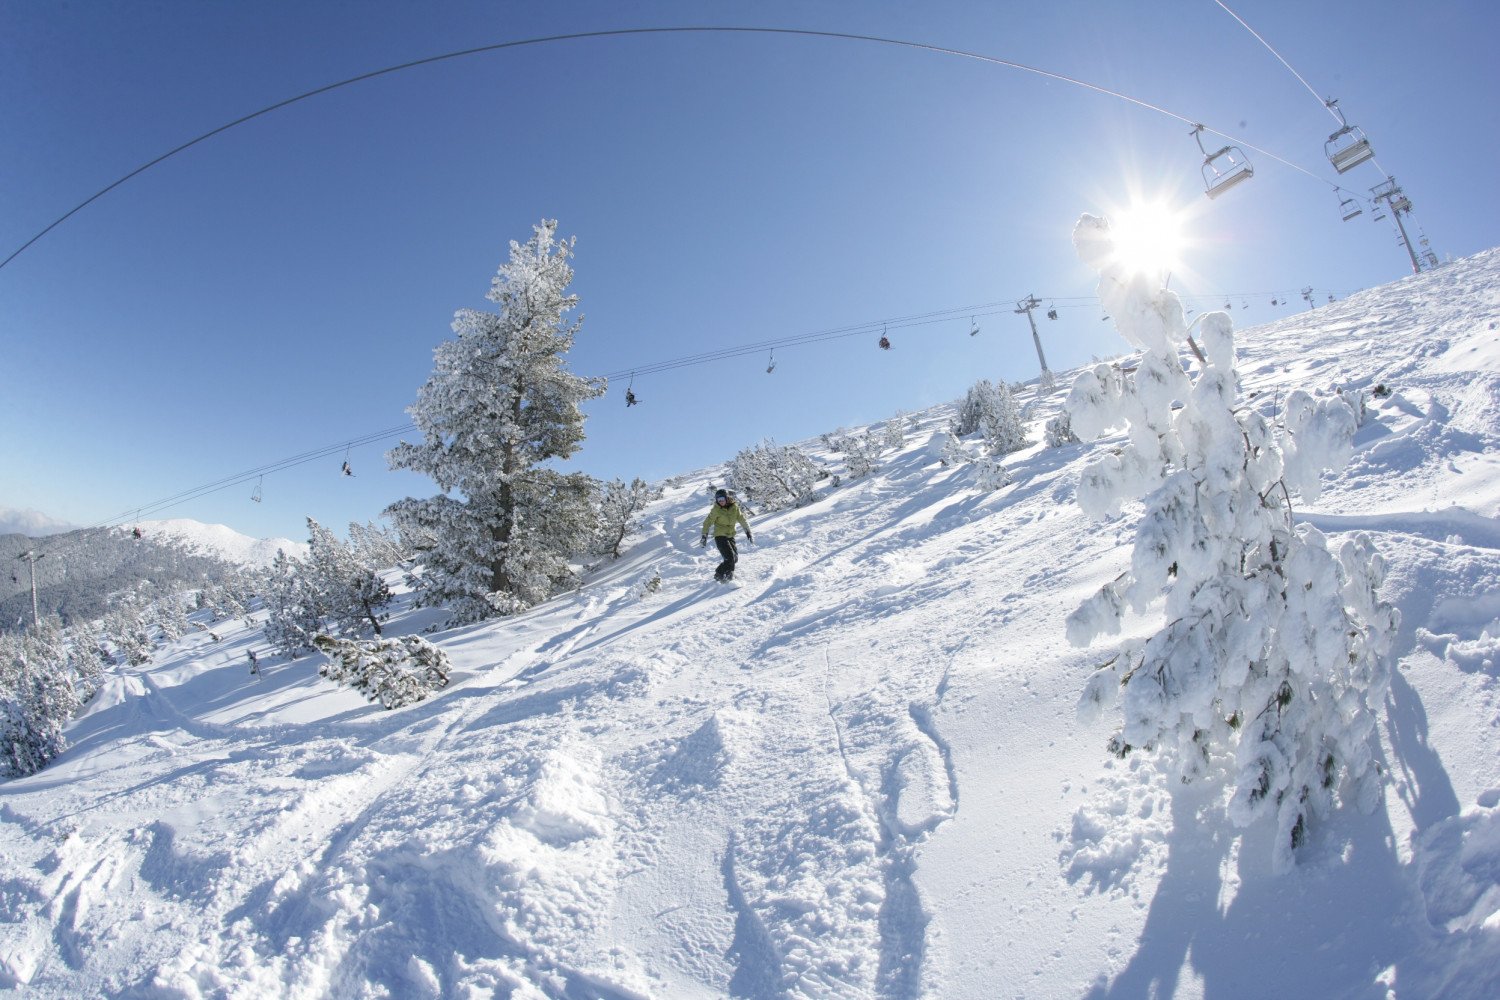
1148	238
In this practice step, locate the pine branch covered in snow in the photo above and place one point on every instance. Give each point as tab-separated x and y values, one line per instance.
393	672
778	476
498	404
1274	658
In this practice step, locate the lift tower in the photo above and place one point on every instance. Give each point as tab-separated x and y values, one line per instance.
1025	305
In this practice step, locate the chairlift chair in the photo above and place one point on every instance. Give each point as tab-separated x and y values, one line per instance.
1222	169
771	363
973	327
256	495
1052	312
1350	208
885	341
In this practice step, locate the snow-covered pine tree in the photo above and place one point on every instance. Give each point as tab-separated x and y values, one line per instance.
87	658
1272	663
36	700
619	507
1059	431
779	475
350	593
861	454
293	615
171	616
972	409
376	546
126	628
991	409
498	404
393	672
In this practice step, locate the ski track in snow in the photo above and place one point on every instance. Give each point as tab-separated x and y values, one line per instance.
755	791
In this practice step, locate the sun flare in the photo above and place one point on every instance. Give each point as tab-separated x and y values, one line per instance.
1149	238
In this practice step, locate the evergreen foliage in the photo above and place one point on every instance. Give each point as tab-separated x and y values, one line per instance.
497	405
861	454
393	672
85	570
991	410
37	698
292	607
1272	665
1059	431
778	476
348	592
619	507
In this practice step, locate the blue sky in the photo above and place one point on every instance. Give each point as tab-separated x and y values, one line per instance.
280	287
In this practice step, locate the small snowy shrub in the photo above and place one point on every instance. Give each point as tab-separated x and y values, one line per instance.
990	472
778	475
1059	431
1273	663
895	433
649	584
394	672
861	455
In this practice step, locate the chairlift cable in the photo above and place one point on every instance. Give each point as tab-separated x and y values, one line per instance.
1328	104
620	32
920	319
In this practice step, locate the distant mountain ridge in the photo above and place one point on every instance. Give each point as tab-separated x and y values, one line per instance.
79	571
222	541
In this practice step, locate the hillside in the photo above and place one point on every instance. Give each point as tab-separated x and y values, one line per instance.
82	569
859	773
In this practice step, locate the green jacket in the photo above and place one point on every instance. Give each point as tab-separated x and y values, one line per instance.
723	520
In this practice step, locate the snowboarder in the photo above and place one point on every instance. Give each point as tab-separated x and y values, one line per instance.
254	663
723	516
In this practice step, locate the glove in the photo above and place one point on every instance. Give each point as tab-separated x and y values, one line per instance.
749	538
703	541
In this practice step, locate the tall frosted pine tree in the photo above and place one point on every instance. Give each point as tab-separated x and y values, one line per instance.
498	404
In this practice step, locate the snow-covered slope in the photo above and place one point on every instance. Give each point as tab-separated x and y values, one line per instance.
222	541
857	774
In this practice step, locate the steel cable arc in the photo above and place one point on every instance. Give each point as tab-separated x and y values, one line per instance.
620	32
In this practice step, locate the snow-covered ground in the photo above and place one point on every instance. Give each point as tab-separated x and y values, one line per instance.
858	773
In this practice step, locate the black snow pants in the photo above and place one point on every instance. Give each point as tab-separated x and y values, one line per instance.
730	554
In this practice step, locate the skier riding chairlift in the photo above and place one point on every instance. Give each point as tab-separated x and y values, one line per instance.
885	342
630	399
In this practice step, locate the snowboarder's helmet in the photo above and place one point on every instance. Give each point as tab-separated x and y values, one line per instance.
721	494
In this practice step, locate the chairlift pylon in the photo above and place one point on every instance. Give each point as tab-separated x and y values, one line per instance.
1222	169
1348	147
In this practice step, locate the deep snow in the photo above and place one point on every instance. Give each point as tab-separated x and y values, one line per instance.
857	774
